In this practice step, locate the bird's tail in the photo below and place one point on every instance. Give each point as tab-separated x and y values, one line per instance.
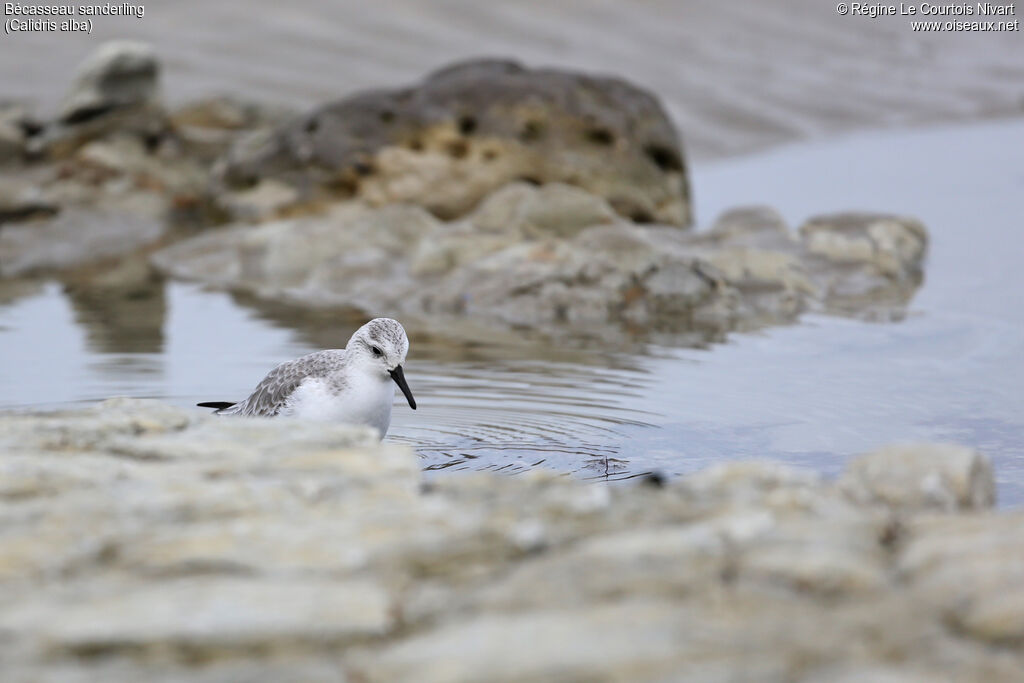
219	405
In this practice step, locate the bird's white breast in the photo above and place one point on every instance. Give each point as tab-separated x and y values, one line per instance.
365	399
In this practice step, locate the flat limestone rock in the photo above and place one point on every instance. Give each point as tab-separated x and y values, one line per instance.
76	237
969	568
920	476
144	541
205	616
559	259
12	141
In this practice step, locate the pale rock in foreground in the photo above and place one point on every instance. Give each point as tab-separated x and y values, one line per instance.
139	541
921	476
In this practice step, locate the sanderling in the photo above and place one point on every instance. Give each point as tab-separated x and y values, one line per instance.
350	385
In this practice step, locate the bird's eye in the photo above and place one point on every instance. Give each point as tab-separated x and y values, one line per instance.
376	351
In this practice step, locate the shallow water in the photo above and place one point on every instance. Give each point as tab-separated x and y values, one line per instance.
811	394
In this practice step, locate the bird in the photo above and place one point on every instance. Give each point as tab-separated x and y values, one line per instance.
349	386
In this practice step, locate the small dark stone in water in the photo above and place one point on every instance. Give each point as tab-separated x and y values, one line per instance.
656	479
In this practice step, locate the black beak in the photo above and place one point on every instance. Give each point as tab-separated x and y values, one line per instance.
399	378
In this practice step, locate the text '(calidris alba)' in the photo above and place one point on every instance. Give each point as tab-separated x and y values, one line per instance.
350	385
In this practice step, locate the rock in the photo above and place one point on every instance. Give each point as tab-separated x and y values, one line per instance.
771	286
866	260
207	128
756	253
265	200
144	123
552	210
76	237
751	227
921	476
218	113
876	674
115	94
340	258
969	570
579	282
455	269
469	129
562	194
601	643
107	201
17	125
142	541
867	265
642	640
117	74
12	142
892	244
997	618
118	155
829	557
551	257
644	559
201	617
20	201
13	290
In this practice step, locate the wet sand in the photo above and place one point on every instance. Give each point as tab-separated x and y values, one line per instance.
736	77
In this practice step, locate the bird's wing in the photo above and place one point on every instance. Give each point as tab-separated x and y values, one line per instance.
271	394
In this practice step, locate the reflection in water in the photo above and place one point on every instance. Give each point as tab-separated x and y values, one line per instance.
122	309
121	321
13	290
455	340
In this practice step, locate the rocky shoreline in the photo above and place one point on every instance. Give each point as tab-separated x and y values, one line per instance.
506	196
145	540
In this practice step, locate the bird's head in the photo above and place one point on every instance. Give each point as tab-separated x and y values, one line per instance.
381	345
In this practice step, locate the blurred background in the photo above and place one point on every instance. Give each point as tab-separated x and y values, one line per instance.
735	76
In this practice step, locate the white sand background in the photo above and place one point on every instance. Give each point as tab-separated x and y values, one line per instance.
736	76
